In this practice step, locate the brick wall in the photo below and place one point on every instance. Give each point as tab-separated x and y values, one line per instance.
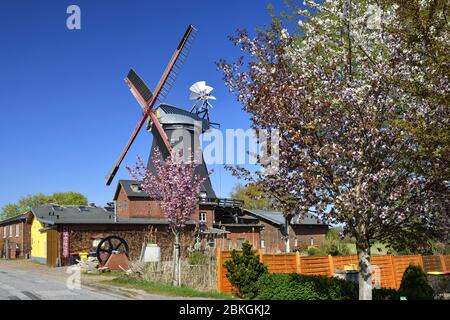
146	208
209	212
239	234
299	235
137	207
26	239
20	245
81	238
121	198
304	234
272	236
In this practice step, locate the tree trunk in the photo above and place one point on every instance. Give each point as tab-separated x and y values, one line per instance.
365	270
287	245
177	279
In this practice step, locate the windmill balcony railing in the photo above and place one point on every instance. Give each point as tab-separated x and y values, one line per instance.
222	202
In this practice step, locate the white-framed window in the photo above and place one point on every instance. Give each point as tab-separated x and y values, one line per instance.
17	229
136	188
202	216
263	244
11	231
4	231
311	241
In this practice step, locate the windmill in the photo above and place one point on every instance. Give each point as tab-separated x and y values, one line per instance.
201	93
165	120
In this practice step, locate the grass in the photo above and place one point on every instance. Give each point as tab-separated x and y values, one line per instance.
106	274
37	262
165	289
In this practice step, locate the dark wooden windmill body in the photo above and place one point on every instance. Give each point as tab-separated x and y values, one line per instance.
182	129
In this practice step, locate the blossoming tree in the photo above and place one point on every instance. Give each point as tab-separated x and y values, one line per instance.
351	86
175	184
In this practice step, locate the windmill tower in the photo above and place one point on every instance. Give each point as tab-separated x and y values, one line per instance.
165	122
182	129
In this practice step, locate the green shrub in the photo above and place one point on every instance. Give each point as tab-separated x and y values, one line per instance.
333	245
197	258
439	248
333	248
273	286
385	294
312	251
304	287
244	270
415	285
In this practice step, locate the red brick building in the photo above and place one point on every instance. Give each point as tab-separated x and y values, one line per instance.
59	232
224	223
219	222
15	237
279	236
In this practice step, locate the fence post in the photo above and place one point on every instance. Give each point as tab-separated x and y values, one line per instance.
219	270
331	264
298	265
444	267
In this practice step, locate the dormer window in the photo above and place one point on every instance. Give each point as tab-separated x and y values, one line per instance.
202	217
136	188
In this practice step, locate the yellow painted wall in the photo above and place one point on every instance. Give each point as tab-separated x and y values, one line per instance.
38	241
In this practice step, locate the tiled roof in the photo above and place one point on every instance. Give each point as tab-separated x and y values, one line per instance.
277	217
14	219
131	188
53	214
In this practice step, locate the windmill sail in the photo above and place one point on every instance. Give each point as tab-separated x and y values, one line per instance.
175	64
147	100
137	84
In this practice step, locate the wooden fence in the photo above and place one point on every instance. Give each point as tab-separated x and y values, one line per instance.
390	268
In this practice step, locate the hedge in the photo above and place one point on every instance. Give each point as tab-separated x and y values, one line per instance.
272	286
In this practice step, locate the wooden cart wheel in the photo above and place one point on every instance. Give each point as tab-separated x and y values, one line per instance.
110	245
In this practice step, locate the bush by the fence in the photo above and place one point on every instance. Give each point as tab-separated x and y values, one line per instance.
385	294
304	287
277	286
244	269
198	258
415	285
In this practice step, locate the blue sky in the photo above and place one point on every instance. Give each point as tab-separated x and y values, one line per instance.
66	112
